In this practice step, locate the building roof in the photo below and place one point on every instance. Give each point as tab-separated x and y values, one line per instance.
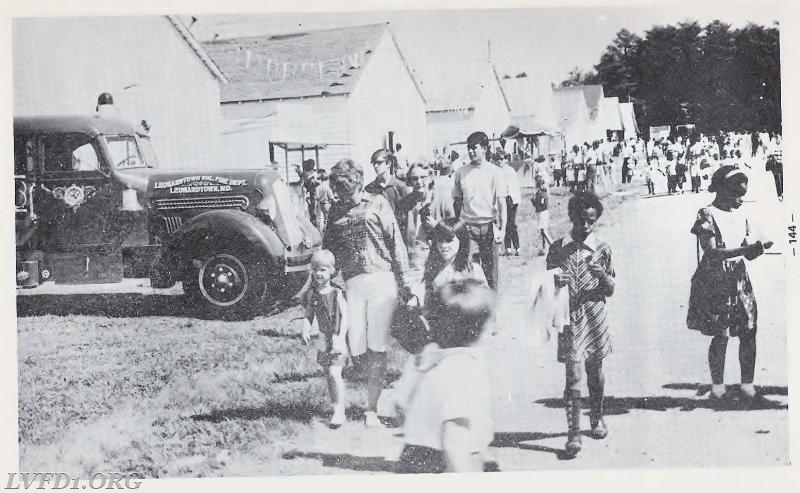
298	65
459	88
196	47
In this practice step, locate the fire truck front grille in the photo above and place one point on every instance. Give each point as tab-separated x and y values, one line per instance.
224	202
172	223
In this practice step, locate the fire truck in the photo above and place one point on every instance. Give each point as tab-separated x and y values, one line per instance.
93	207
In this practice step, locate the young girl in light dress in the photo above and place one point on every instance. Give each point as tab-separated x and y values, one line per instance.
325	302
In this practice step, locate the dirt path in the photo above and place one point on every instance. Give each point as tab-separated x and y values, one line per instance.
658	411
268	401
658	417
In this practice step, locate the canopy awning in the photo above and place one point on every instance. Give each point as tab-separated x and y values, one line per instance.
464	142
513	131
305	146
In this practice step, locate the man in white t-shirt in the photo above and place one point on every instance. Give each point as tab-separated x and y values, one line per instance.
479	200
574	163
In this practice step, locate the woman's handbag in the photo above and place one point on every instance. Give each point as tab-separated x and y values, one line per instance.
410	327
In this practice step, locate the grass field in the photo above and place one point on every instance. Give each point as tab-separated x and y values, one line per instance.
169	396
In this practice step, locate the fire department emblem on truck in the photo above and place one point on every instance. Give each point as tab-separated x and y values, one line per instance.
200	184
73	195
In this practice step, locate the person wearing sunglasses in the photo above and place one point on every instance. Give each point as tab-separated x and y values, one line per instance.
385	183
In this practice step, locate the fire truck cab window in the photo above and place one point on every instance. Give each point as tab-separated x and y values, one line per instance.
124	152
85	159
72	152
23	156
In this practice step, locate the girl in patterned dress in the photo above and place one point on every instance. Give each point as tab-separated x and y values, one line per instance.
585	262
325	301
722	303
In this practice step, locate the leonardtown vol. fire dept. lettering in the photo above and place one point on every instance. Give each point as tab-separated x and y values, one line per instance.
201	183
201	189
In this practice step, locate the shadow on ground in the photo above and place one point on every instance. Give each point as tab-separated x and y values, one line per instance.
301	413
521	440
733	400
295	412
703	389
381	464
120	305
347	461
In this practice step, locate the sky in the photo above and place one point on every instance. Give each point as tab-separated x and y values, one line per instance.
543	42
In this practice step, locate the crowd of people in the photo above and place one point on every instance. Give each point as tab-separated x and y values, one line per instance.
419	260
667	165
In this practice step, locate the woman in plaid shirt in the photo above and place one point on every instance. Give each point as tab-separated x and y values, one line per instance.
365	238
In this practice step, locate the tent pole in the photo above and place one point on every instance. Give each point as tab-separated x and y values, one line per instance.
286	159
316	155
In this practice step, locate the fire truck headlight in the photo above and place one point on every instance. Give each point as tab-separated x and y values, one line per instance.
268	206
130	200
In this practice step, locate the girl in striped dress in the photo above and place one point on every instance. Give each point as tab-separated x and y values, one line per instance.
585	262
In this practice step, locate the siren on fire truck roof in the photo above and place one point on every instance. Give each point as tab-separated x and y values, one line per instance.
105	104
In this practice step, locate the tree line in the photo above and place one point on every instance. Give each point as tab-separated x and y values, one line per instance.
712	76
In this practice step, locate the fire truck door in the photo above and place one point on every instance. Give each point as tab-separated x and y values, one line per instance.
77	199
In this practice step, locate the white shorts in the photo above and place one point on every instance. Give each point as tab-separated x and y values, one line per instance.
544	219
371	301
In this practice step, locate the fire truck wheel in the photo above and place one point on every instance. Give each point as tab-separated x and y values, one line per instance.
226	284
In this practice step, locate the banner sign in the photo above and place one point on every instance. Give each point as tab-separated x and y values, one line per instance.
659	132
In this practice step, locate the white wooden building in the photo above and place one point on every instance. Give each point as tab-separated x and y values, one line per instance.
354	82
151	65
464	101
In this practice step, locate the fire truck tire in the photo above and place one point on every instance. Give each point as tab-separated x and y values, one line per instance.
226	284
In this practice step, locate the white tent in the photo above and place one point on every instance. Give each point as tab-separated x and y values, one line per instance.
533	109
612	114
531	103
573	117
628	119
